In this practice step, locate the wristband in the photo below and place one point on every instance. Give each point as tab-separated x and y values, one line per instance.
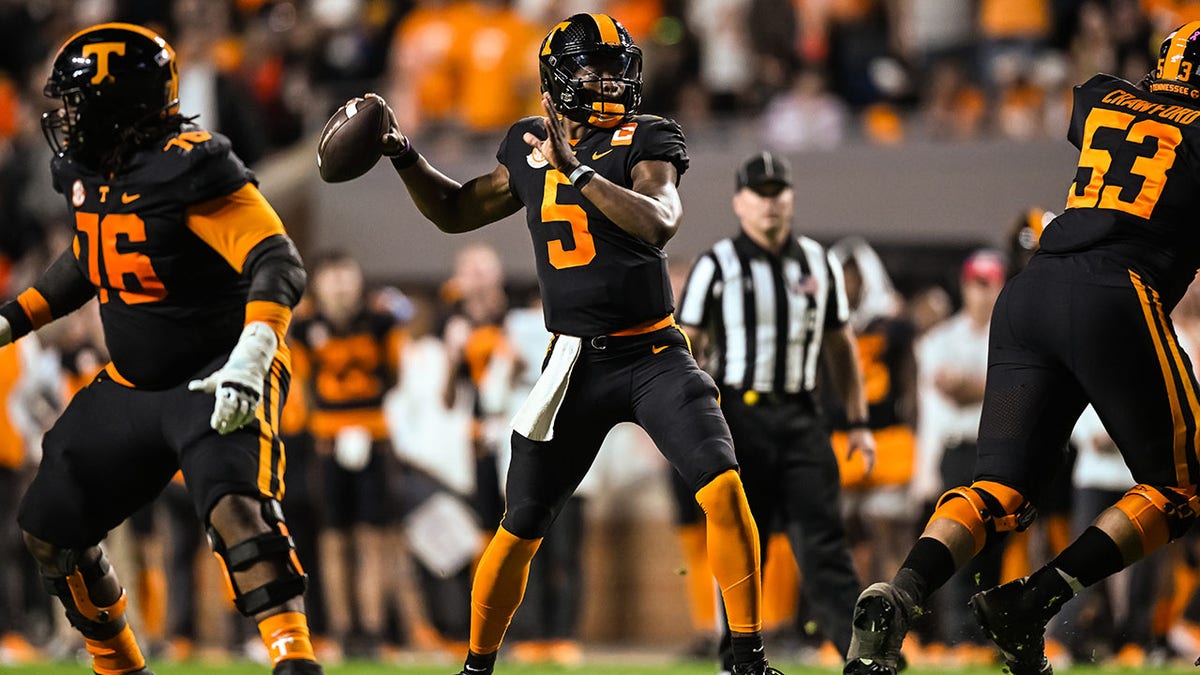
406	157
854	425
581	175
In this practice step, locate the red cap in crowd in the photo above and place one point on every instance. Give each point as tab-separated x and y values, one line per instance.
984	265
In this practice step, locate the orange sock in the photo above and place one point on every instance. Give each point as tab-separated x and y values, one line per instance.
286	637
152	601
700	583
1014	561
499	587
1058	532
116	655
733	550
781	582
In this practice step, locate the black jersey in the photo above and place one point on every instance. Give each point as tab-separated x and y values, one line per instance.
163	255
885	346
1137	188
595	278
351	367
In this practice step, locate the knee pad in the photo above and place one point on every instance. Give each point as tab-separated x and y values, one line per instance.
1160	514
276	545
986	509
72	589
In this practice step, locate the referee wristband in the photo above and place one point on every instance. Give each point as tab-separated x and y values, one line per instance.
854	425
581	175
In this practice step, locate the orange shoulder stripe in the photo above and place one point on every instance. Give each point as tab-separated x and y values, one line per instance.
234	224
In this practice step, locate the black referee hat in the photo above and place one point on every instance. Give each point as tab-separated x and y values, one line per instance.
763	170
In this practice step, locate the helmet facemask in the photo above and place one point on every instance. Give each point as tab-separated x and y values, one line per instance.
607	87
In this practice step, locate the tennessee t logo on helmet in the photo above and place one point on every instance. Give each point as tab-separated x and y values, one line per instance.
592	70
101	50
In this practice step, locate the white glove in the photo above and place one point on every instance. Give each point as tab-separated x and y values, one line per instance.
238	385
5	331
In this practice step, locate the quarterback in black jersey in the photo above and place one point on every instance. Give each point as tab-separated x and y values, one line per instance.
196	279
1086	321
598	184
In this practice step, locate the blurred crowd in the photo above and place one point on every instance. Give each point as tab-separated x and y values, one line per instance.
397	423
796	74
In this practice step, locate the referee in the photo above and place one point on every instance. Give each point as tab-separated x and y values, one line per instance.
762	307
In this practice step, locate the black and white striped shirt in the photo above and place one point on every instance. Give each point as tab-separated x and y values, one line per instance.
765	313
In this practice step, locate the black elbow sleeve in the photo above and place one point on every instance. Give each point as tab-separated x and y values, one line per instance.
276	271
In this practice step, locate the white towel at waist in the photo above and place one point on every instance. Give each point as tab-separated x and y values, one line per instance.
535	419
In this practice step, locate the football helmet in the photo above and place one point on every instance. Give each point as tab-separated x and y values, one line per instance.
1178	70
592	70
115	80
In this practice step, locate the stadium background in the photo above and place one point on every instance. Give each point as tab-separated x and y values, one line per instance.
929	127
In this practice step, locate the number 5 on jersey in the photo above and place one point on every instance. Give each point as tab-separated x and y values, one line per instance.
129	272
552	211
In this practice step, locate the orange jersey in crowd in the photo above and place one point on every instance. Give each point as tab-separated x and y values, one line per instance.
425	43
12	446
999	19
883	347
348	370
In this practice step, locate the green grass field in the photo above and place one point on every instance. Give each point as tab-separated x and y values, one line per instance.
695	668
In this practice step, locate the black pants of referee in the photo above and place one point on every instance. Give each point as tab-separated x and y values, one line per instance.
789	471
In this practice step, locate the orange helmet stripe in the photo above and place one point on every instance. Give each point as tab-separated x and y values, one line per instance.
1174	57
140	30
609	34
550	36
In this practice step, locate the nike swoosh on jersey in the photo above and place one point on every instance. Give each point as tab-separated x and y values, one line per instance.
598	155
127	198
658	349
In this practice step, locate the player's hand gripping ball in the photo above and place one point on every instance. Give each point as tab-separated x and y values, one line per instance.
352	140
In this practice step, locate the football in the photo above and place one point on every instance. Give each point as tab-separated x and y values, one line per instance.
351	140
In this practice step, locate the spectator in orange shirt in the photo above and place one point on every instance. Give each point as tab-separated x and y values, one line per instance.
498	81
424	79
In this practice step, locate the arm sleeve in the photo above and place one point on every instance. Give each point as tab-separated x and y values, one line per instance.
837	308
61	290
277	281
698	292
276	272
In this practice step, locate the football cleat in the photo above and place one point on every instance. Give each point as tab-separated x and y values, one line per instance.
143	671
297	667
760	668
879	623
1017	626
